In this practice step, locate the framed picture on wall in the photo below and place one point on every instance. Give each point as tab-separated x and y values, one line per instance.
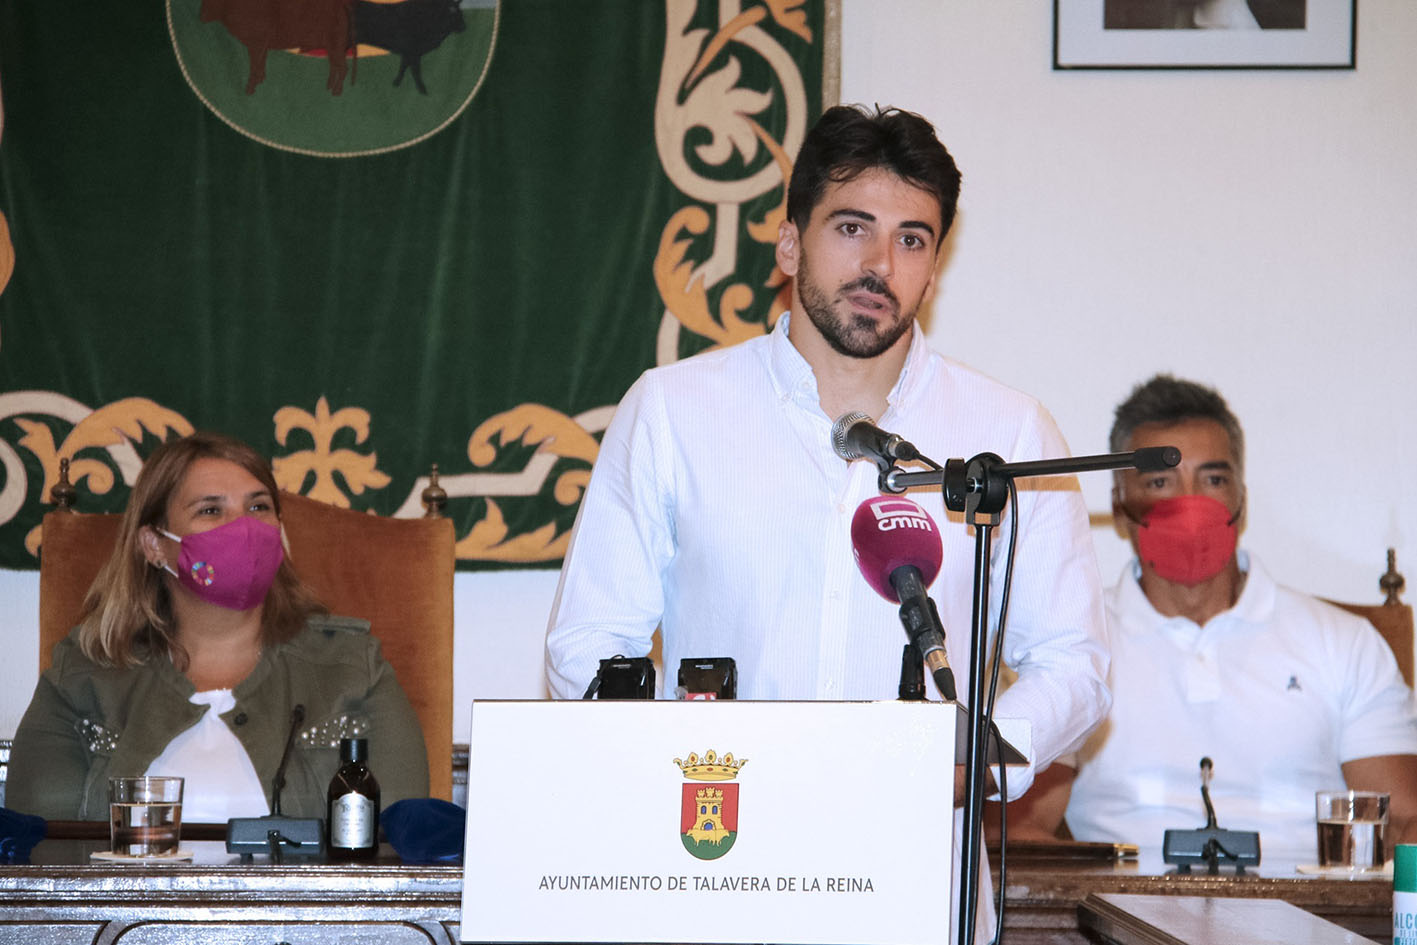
1204	34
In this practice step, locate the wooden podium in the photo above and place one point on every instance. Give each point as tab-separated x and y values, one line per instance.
711	822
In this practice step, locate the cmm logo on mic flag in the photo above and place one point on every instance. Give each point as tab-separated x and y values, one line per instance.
708	810
893	512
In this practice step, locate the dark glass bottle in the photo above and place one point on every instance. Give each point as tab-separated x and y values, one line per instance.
352	813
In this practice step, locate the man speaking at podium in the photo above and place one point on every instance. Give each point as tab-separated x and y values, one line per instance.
719	511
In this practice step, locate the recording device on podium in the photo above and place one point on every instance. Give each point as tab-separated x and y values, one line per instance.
623	677
707	679
275	834
1211	846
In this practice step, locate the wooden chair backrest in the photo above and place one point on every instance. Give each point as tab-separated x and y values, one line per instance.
396	573
1394	622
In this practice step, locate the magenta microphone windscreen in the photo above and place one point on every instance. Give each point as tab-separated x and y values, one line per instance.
890	531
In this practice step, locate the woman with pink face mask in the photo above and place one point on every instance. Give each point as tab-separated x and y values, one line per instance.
197	648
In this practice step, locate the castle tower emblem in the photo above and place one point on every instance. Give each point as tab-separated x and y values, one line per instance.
708	819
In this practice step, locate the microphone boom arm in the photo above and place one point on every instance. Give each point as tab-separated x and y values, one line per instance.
958	480
980	489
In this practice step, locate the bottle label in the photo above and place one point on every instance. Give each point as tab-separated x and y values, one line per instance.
1404	918
352	822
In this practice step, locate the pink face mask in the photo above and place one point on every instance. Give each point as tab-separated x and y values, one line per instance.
232	565
1187	538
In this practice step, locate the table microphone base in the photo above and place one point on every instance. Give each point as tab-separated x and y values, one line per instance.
1211	847
276	836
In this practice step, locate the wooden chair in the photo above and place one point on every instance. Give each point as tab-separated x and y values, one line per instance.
1392	617
396	573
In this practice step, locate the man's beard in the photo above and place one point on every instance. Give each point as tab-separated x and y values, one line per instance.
858	337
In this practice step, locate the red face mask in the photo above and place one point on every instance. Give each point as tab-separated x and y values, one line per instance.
1188	538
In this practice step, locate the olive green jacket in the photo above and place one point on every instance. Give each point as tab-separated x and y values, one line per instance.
87	723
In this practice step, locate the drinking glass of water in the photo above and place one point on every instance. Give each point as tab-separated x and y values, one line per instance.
145	815
1352	829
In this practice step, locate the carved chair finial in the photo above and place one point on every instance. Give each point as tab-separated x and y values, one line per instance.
435	497
1391	583
64	495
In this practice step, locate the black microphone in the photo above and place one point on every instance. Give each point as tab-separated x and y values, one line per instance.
922	625
1210	845
855	435
297	716
1206	765
276	834
912	675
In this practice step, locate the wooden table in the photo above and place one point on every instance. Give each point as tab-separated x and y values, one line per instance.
1043	894
217	900
63	898
1186	920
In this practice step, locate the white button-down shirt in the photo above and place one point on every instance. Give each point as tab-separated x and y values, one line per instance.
719	509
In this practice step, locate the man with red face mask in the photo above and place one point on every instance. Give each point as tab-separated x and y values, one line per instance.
1211	658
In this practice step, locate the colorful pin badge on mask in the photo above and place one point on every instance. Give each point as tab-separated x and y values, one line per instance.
203	573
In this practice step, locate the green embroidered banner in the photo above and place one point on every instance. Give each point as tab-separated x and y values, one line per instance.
368	237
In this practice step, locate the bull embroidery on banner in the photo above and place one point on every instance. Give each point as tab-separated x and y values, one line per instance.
264	25
336	30
408	30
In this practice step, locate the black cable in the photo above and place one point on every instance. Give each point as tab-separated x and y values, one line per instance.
1003	835
593	688
989	710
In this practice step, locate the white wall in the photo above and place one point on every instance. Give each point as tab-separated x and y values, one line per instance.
1250	230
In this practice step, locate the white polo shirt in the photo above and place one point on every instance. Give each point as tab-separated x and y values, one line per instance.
1278	691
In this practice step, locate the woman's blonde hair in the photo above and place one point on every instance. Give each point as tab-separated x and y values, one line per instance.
127	614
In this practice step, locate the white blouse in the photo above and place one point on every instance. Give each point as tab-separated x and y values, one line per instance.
220	781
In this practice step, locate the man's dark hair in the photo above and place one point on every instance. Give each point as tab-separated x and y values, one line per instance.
849	140
1169	400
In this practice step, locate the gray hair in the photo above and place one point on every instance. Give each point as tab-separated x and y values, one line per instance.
1169	400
